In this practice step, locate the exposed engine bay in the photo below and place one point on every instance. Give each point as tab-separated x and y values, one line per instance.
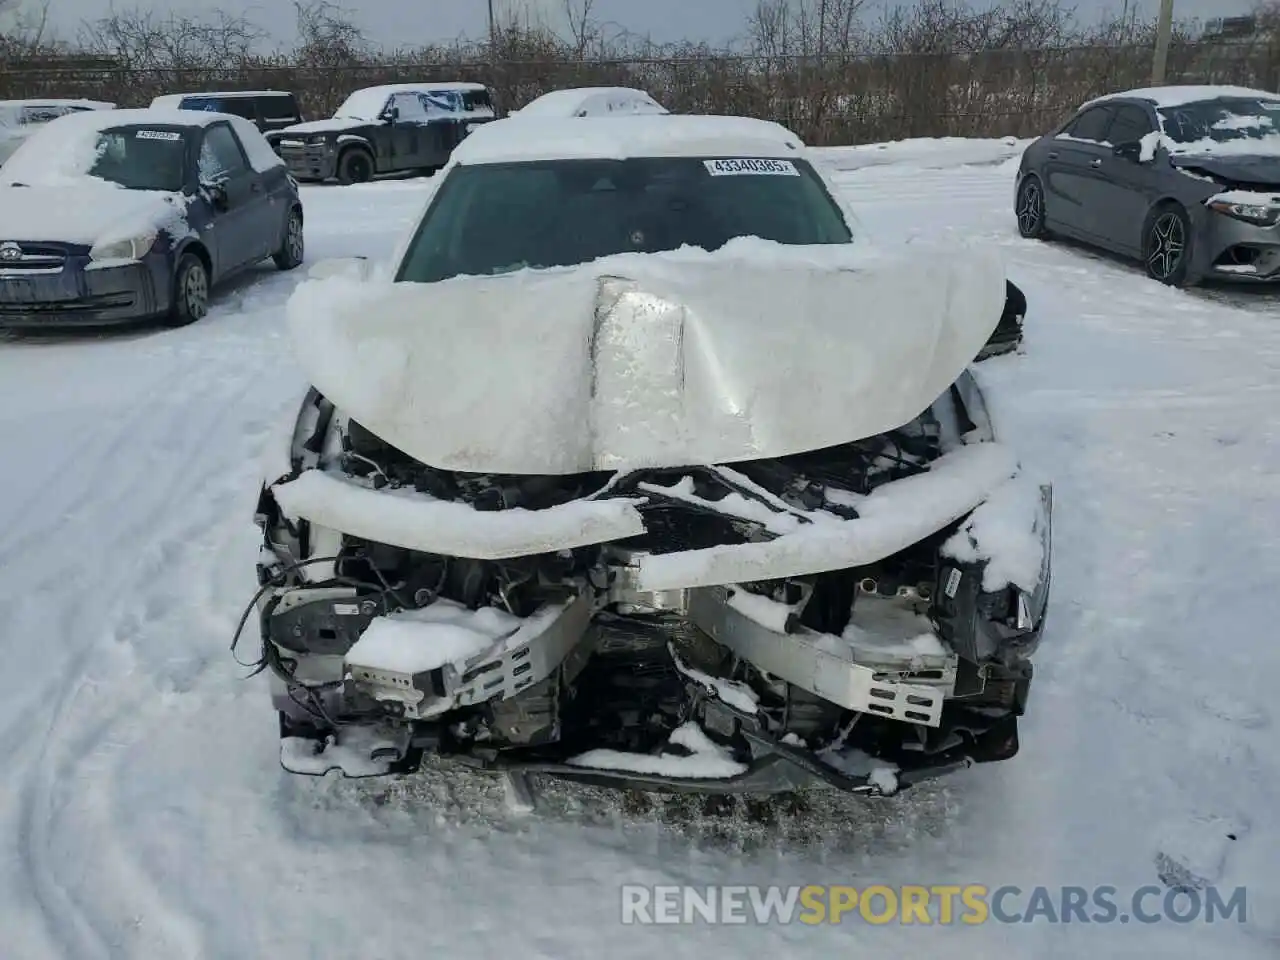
830	617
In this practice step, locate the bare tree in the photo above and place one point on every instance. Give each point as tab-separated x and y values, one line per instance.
141	40
27	33
584	32
327	35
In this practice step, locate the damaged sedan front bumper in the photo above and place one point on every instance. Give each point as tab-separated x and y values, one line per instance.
717	629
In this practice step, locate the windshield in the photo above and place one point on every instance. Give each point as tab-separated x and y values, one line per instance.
496	218
1222	121
140	158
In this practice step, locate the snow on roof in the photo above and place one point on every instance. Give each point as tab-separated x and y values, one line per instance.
56	102
587	101
367	103
66	147
173	99
1177	96
618	137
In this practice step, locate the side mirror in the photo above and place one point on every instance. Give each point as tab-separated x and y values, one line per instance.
1129	150
391	114
217	195
355	268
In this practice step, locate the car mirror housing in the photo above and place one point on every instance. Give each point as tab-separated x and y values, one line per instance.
1129	150
217	194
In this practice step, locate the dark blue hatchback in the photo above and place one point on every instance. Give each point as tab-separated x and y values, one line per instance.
136	215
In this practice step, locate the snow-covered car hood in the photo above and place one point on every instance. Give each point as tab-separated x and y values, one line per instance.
330	125
83	214
1257	169
758	350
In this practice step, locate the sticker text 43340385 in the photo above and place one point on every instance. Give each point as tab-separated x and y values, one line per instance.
751	166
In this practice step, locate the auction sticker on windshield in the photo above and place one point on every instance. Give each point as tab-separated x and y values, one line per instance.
158	135
730	168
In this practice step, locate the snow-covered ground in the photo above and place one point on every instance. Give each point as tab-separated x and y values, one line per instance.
144	814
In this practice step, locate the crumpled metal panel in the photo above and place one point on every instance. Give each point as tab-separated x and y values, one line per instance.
642	361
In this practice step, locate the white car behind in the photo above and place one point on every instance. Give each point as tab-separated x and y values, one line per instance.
591	102
20	118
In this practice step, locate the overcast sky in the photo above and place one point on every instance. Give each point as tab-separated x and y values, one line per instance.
410	22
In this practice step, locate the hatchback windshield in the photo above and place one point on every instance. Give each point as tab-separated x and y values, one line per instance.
501	217
140	158
1222	120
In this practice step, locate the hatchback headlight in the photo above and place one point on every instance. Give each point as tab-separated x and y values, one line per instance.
133	248
1262	214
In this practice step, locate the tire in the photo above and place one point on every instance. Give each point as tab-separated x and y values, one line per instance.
1166	245
293	246
190	292
355	166
1029	208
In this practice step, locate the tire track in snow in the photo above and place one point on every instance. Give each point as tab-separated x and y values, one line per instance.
182	437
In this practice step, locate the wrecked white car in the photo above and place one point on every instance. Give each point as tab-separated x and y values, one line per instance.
639	467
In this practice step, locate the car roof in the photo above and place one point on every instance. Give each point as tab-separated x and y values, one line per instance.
58	102
1178	95
564	103
141	116
173	98
390	88
620	137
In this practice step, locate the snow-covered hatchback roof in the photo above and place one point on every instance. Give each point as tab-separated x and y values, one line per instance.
64	147
618	137
1177	96
591	101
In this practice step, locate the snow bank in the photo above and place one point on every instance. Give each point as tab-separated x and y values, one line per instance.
927	152
642	360
414	641
417	521
704	760
892	518
1005	532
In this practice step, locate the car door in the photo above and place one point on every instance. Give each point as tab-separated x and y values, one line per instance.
409	133
1071	189
1127	183
242	220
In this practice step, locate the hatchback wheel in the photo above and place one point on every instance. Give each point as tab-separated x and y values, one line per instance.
190	291
1030	208
293	247
1166	248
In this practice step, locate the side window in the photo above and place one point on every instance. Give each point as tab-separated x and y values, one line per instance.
278	109
1130	124
1090	125
220	155
477	100
410	107
201	103
240	107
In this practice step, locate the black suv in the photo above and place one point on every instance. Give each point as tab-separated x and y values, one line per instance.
266	109
397	128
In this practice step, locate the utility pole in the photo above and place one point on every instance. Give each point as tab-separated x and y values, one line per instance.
1164	28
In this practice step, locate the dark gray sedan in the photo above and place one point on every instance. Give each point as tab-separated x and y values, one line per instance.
1186	179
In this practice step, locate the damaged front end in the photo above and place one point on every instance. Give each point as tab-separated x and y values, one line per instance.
860	616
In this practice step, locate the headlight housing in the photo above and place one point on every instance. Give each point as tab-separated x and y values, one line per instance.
1262	214
132	248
